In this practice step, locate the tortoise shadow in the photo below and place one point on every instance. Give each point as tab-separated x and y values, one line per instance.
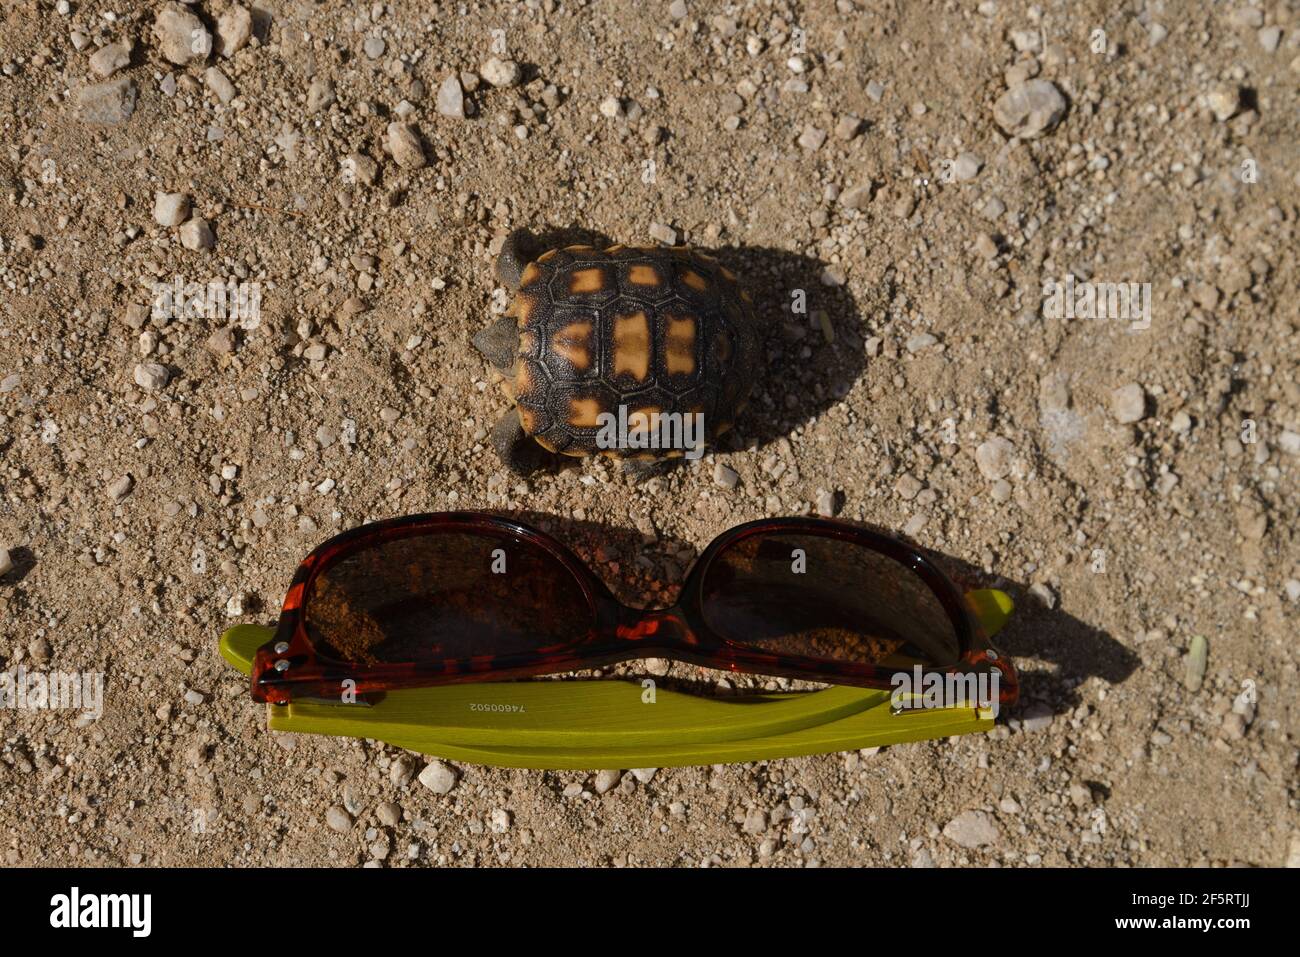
1071	649
812	333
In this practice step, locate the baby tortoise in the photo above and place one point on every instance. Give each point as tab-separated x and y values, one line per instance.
642	353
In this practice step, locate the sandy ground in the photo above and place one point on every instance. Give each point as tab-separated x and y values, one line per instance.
919	171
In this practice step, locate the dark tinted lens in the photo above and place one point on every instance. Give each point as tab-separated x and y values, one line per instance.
444	596
819	597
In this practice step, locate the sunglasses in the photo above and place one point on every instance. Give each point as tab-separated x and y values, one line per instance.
457	597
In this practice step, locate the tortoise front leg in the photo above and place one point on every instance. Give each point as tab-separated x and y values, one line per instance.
518	450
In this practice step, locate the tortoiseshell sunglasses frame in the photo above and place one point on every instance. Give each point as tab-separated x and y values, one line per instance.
289	666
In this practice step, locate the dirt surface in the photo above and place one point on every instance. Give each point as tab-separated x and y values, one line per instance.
1132	484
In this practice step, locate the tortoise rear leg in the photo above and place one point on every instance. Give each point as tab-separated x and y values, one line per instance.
519	249
517	449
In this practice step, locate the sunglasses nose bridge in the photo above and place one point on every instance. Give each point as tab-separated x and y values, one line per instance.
662	628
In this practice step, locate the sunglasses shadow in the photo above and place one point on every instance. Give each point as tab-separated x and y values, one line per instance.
1054	652
790	301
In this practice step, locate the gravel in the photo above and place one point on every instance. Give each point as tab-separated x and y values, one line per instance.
972	829
994	456
170	209
501	73
451	98
1128	403
110	58
337	819
1029	109
151	376
196	234
181	35
404	144
234	30
438	777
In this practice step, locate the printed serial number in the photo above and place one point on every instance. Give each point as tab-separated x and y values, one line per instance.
513	708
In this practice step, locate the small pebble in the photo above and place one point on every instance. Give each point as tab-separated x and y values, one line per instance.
438	778
966	167
151	376
1029	109
1128	403
451	98
994	457
181	35
1223	103
404	144
197	234
110	58
337	819
501	73
607	780
170	209
234	30
662	233
972	829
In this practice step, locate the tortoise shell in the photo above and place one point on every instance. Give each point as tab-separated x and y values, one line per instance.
655	330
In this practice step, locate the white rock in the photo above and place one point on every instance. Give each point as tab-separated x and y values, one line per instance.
1269	38
120	488
662	233
966	167
234	29
972	829
501	73
170	209
1037	717
812	138
607	780
724	476
6	562
1223	103
438	778
404	144
1029	109
219	84
451	98
197	234
181	35
994	458
151	376
920	341
337	819
611	107
644	775
110	58
1128	403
